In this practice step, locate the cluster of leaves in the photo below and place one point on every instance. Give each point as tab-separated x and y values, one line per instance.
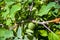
22	12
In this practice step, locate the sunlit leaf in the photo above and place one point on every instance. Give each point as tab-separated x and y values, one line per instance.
43	33
8	22
53	36
13	10
45	9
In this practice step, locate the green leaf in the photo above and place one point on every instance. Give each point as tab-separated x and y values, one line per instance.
9	2
5	33
1	38
14	9
8	34
1	3
19	32
34	38
45	9
29	31
8	22
57	6
53	36
18	0
57	26
25	37
4	14
30	1
43	33
56	10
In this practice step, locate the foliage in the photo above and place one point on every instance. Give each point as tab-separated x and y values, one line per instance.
16	19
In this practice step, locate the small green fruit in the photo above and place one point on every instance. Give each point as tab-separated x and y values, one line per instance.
31	26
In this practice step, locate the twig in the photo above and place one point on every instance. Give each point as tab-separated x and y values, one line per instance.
46	27
30	7
13	27
43	23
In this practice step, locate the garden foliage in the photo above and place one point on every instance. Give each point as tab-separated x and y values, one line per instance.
16	19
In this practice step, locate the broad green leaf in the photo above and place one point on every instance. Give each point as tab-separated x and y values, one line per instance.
42	10
45	9
43	33
14	9
6	33
9	2
53	36
19	32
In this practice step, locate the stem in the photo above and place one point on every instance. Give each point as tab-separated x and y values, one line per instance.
42	23
31	6
46	27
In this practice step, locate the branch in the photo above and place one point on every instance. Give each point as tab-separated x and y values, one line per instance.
43	23
46	27
56	20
